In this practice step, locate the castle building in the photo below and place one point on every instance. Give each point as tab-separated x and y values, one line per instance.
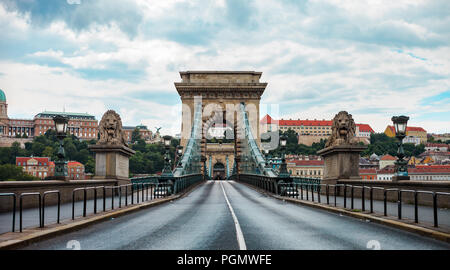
311	131
145	133
82	125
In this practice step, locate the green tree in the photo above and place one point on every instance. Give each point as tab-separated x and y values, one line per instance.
9	172
48	151
135	135
90	165
37	149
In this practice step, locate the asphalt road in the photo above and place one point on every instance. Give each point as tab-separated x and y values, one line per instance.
228	215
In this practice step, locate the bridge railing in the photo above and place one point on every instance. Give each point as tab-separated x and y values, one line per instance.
140	190
313	190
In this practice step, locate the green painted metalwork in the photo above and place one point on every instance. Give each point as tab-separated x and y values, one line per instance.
191	159
308	181
252	161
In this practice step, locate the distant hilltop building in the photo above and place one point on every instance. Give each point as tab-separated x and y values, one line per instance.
416	135
311	131
82	125
440	137
145	133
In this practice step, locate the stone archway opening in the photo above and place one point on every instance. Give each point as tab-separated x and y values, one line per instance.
219	171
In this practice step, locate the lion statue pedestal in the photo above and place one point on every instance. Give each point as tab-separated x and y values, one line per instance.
342	151
111	152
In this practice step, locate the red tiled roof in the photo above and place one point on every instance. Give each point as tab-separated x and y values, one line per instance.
368	171
267	120
408	129
387	157
430	169
415	129
365	128
74	163
436	145
434	166
434	153
283	122
306	122
39	159
386	170
307	162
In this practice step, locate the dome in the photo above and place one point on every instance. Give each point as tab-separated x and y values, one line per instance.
2	96
374	157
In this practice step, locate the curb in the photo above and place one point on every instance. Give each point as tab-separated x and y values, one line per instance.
392	223
38	234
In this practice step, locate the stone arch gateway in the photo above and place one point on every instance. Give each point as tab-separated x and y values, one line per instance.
221	93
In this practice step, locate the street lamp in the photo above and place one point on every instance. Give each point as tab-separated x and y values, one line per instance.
401	167
266	153
203	160
283	167
61	132
167	171
179	154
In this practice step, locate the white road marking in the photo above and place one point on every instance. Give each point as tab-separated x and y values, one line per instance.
239	234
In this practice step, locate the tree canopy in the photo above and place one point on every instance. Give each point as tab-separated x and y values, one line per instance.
381	144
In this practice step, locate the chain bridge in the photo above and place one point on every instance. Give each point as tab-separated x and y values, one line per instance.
222	194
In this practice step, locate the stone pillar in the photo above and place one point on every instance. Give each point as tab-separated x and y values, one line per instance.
112	162
341	163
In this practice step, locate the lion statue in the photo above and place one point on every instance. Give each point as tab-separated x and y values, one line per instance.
343	130
110	128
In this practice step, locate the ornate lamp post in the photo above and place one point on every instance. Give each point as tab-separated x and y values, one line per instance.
283	167
401	168
203	160
167	171
266	154
61	133
179	154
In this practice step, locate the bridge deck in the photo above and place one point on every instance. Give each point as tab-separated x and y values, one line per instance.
203	220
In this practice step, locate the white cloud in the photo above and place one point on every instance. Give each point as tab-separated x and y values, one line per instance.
321	58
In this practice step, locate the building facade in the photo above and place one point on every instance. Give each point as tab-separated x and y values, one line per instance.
411	139
82	125
368	174
415	132
386	173
145	133
75	170
306	168
40	167
311	131
387	160
437	147
430	173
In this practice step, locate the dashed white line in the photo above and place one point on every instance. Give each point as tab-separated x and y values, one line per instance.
239	234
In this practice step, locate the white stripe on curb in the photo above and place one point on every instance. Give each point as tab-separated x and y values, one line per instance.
240	236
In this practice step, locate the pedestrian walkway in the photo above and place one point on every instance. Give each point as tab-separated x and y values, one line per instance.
425	212
31	215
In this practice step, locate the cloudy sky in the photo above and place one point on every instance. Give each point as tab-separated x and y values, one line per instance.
373	58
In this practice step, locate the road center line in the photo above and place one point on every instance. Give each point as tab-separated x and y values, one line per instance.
239	234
